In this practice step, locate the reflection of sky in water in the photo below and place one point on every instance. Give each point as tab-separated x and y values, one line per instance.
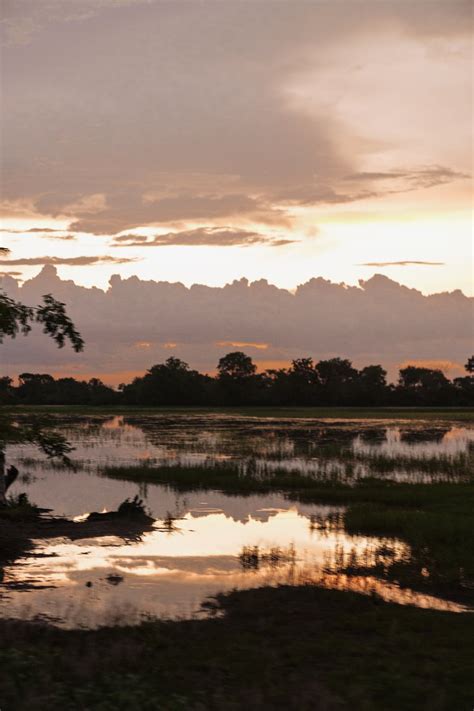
172	573
410	443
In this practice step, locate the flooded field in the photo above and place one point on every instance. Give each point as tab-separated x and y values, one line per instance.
207	541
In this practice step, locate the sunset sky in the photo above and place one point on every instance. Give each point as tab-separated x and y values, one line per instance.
203	142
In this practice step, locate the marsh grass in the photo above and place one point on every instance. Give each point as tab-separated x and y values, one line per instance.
451	414
440	534
333	465
451	466
435	520
255	557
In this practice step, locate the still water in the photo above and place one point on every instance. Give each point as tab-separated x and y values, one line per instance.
204	543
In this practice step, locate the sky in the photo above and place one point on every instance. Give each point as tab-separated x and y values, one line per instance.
207	141
203	142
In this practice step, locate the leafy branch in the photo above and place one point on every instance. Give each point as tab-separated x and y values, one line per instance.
16	317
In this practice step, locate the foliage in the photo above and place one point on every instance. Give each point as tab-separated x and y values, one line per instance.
132	508
333	382
16	318
37	430
236	366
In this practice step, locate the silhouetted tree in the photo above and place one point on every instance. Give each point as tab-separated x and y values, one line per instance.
7	391
237	379
169	383
372	386
236	365
464	386
303	381
15	317
423	386
337	378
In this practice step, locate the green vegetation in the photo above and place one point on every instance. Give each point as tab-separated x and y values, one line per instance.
286	648
434	519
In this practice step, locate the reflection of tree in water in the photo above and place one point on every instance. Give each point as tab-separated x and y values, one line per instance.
327	523
240	438
375	556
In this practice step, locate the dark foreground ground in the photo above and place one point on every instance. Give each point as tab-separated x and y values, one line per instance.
285	648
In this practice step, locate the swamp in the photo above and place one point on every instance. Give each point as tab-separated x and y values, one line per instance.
322	524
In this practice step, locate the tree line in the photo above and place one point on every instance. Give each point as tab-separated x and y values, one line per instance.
332	382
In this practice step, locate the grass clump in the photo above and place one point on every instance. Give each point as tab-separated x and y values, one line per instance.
18	508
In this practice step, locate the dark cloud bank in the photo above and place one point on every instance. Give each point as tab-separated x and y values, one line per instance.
137	323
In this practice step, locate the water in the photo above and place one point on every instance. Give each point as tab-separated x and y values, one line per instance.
204	543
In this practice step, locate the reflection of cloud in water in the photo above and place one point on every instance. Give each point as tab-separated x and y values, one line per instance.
172	574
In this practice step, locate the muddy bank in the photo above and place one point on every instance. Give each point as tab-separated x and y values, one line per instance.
18	533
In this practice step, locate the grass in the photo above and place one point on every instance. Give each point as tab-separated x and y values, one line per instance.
230	477
438	529
458	466
434	519
285	648
223	477
465	414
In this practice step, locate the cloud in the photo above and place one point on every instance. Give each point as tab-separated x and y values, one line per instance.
202	236
130	239
45	230
378	321
71	261
41	232
32	229
11	274
195	122
403	181
243	344
403	263
132	210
